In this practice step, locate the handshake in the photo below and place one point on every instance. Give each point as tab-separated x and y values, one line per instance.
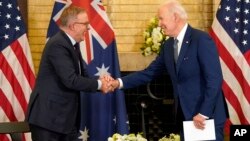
109	84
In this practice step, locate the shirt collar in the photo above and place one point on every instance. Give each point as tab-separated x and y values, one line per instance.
71	39
181	35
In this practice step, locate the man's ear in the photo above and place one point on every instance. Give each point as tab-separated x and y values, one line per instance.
176	17
71	26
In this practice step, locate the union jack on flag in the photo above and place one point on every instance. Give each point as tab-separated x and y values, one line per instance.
17	77
101	115
231	32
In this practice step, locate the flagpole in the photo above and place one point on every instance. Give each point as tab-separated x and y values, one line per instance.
144	106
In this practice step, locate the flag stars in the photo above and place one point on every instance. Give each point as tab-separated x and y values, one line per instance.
114	120
237	9
102	71
84	134
228	8
245	32
237	20
127	122
1	3
246	11
7	26
245	21
17	28
227	18
8	16
247	1
6	36
9	5
18	18
236	30
238	0
244	42
219	7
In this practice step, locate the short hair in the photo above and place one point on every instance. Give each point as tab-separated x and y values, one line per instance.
70	13
176	7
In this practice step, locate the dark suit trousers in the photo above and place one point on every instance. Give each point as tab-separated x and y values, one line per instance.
42	134
179	122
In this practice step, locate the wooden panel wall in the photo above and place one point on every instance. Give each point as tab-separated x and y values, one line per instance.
129	19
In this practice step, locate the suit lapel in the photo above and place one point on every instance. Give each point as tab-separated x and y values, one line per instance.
184	47
72	50
170	52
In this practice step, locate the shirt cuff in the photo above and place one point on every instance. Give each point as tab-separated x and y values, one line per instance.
99	84
121	83
204	116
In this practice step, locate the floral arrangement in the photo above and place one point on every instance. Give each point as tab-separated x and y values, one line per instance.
129	137
153	38
172	137
139	137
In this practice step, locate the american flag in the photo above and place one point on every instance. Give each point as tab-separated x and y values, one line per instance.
231	32
17	76
101	115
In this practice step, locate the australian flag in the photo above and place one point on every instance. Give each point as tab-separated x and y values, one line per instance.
101	115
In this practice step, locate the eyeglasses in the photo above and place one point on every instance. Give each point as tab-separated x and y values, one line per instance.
86	24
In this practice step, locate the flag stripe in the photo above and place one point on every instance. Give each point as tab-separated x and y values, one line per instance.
230	32
5	137
232	80
9	94
25	59
7	107
235	64
88	48
17	77
229	45
235	105
22	69
9	74
96	19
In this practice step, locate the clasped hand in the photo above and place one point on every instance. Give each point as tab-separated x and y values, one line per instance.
109	84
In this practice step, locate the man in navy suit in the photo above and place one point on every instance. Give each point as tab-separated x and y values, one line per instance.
54	103
191	59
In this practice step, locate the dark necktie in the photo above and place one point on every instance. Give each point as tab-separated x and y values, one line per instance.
175	50
79	56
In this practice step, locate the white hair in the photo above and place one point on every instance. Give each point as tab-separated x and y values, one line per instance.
174	6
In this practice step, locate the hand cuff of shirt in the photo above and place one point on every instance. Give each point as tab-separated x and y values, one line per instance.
99	84
204	116
121	83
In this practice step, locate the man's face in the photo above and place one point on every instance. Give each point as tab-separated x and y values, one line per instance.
167	21
81	26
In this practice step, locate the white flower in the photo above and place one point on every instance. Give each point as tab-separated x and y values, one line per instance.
172	137
157	35
129	137
153	38
147	51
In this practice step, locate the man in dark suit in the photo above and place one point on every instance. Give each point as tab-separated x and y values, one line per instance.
54	102
191	59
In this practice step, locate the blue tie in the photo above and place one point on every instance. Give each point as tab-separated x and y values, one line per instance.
175	50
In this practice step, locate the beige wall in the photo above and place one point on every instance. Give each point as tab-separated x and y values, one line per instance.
128	17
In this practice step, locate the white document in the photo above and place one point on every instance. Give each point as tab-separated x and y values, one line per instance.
191	133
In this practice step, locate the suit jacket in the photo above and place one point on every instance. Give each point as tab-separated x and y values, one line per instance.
54	101
196	77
